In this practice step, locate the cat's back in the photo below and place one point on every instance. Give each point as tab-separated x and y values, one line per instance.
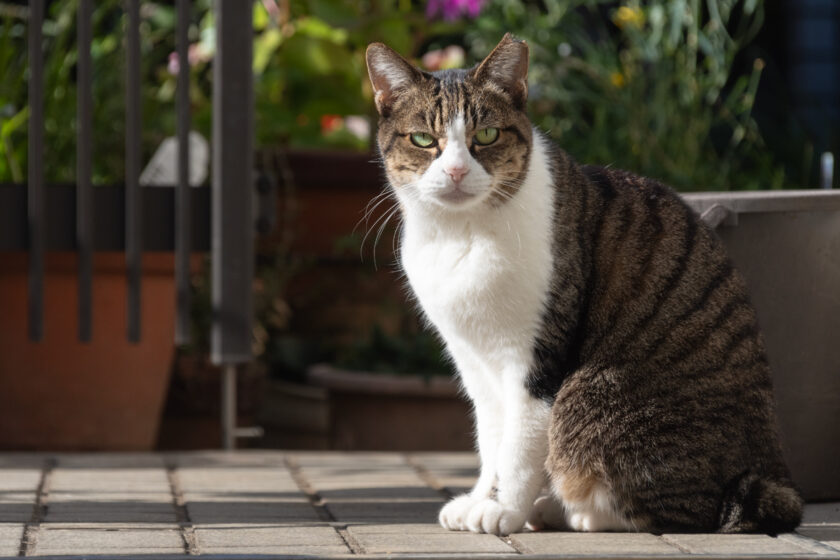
659	284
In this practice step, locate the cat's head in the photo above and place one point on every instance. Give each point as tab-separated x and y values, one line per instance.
453	139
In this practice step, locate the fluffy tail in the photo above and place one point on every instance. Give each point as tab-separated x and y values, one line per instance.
754	504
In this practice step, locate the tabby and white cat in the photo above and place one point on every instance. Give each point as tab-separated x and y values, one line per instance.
602	334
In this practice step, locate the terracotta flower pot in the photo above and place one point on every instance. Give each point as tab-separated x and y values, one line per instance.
62	394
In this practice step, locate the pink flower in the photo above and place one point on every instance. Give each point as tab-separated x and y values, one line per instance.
452	56
273	9
196	54
453	9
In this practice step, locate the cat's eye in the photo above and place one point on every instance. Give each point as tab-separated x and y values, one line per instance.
422	140
486	136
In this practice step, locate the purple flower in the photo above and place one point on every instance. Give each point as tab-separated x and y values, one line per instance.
453	9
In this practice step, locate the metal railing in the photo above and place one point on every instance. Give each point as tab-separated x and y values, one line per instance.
231	223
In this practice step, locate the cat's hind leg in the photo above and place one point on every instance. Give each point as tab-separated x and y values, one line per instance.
589	505
548	513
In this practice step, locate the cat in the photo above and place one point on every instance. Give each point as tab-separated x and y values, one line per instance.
602	334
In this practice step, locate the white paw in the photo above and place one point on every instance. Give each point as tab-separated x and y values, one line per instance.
594	521
548	512
488	516
453	516
581	522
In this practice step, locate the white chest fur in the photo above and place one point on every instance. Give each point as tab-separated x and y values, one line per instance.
482	274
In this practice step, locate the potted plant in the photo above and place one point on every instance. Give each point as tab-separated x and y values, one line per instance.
60	393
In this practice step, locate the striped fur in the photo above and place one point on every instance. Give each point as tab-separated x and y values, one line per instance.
603	335
651	355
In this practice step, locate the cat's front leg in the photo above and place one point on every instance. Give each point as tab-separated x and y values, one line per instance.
489	427
520	461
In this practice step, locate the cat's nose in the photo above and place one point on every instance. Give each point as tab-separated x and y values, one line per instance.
457	172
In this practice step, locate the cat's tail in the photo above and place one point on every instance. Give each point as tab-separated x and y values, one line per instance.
755	504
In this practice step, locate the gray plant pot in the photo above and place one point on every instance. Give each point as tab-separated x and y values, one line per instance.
787	245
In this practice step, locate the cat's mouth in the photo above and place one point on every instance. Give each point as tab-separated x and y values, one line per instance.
455	195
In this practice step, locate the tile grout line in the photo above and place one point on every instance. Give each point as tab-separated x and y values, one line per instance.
320	506
429	480
39	509
182	515
427	477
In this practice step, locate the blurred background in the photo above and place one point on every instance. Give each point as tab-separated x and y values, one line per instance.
704	95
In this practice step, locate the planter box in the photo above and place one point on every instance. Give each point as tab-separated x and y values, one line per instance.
787	245
370	411
62	394
295	416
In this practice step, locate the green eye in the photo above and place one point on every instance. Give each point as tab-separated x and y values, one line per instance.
421	139
486	136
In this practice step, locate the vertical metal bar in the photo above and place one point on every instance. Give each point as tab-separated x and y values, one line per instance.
233	235
35	172
183	229
133	209
229	407
84	198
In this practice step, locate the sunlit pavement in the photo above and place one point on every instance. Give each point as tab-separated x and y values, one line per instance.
305	504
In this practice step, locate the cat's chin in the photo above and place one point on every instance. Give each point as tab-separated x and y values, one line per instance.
456	199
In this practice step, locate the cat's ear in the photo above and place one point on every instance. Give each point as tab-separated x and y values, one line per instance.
507	67
389	74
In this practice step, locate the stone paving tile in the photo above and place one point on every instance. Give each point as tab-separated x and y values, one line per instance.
106	512
275	479
270	539
559	543
391	538
398	528
828	535
106	539
111	460
74	498
251	492
16	507
225	512
109	479
355	458
457	475
226	459
10	535
18	492
395	494
433	544
19	480
251	497
386	510
734	544
822	514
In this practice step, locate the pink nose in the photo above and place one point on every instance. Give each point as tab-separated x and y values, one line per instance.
457	173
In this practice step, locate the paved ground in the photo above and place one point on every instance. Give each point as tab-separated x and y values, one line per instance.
304	504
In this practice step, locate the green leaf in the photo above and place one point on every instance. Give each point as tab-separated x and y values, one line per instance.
14	123
161	16
319	29
261	19
265	45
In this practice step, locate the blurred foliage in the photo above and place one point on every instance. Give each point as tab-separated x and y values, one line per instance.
420	353
308	65
647	85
